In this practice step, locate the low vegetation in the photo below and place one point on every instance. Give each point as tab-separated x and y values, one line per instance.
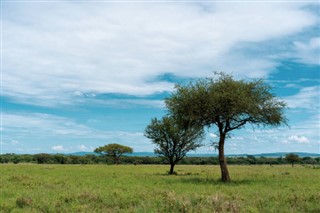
147	188
101	159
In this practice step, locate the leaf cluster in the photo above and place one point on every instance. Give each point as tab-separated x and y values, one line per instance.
174	138
113	149
292	158
227	103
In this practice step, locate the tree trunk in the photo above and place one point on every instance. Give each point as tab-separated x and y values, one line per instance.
292	164
116	159
171	169
223	164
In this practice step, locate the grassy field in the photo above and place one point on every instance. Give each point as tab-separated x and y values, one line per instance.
142	188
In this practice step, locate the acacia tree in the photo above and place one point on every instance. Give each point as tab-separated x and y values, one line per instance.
292	158
174	138
227	104
114	151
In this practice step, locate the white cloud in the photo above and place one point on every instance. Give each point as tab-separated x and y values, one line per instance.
125	103
307	97
64	50
84	148
59	148
14	142
237	138
299	139
291	85
40	124
32	127
81	148
212	135
309	52
11	143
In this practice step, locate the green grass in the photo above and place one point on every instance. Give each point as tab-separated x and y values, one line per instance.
147	188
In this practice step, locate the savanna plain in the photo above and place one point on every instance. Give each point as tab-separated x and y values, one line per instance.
148	188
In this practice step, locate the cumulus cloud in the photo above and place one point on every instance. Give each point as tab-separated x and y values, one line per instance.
84	148
58	148
65	50
299	139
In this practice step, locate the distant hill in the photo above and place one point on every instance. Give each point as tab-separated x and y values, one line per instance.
270	155
279	154
82	153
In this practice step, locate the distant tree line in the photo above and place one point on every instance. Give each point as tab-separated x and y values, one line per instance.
102	159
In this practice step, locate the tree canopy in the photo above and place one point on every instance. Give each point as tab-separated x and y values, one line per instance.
227	104
114	150
174	138
292	158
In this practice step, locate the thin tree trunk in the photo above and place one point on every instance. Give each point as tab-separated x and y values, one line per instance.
223	164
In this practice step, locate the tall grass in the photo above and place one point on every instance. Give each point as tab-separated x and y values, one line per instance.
147	188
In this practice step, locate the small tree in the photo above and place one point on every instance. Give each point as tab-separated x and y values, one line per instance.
252	159
114	151
174	138
227	104
292	158
43	158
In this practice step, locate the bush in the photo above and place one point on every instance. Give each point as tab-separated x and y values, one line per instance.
23	201
43	158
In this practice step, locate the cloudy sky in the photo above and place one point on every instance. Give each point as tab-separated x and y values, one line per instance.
78	75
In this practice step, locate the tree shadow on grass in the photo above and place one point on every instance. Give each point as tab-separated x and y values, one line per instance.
214	181
177	174
197	178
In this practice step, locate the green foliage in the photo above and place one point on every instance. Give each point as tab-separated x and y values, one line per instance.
60	159
174	139
147	188
43	158
228	104
252	159
114	150
292	158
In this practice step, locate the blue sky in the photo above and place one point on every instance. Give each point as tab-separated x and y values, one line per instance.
78	75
